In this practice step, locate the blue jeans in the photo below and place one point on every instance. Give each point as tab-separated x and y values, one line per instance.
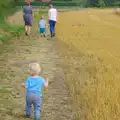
35	100
52	27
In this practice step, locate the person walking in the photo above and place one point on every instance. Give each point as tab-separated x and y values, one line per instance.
34	86
52	17
42	26
28	18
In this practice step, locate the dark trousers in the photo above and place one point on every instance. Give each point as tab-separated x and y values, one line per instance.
52	27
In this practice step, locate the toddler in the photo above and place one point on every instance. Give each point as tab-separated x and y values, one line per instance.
42	26
34	85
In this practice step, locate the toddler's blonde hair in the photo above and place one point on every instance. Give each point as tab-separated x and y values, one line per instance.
34	68
42	16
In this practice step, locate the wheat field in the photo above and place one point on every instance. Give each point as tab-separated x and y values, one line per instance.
90	47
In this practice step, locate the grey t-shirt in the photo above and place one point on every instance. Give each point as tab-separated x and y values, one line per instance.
27	13
27	10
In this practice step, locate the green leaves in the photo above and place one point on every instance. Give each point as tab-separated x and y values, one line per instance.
101	3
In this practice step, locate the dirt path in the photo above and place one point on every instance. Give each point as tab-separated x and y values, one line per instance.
13	71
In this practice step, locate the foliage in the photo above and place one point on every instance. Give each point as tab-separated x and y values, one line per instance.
81	3
40	13
101	3
55	3
13	31
78	3
7	7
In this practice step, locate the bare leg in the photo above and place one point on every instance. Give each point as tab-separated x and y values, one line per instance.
29	29
26	29
44	34
41	35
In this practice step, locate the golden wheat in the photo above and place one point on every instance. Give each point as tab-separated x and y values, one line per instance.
92	75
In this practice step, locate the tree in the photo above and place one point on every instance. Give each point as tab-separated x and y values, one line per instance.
101	3
109	2
93	3
6	6
81	3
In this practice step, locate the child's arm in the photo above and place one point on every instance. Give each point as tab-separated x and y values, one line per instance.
39	26
57	17
47	25
46	83
48	15
24	85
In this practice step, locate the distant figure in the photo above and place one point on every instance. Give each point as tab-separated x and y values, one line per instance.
28	18
52	16
50	2
42	26
33	86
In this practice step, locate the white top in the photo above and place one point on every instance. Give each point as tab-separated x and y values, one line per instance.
42	23
52	14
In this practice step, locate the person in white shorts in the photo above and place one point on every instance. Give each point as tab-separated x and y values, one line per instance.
52	17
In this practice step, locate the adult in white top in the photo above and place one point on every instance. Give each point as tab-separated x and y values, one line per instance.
52	16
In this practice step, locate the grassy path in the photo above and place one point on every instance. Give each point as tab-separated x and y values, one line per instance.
14	61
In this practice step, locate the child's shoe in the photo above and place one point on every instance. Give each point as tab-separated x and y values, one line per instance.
28	116
45	35
36	119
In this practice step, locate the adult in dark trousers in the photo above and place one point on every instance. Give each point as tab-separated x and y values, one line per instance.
28	18
52	17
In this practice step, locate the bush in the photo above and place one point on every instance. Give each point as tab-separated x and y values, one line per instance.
55	3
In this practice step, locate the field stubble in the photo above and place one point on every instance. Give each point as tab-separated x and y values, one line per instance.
89	44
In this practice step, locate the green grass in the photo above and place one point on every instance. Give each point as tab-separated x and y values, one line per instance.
16	31
3	76
5	38
10	31
38	14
